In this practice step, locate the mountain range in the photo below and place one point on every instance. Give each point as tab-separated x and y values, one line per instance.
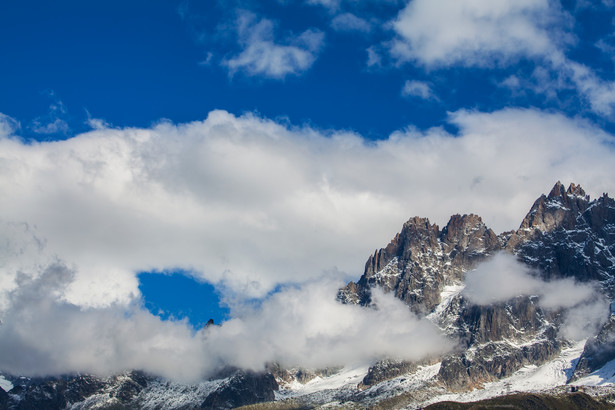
528	310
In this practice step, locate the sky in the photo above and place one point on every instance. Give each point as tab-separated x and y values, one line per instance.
167	162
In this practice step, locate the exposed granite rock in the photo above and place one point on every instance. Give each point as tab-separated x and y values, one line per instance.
566	235
385	370
563	235
4	399
491	361
598	351
51	393
421	260
243	388
138	390
519	319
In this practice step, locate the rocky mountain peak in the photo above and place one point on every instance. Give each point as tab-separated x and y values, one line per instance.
563	235
567	235
557	190
559	209
422	259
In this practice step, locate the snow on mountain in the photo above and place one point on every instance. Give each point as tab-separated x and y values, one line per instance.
519	307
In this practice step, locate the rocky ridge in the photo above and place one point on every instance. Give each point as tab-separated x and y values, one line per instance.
135	390
564	235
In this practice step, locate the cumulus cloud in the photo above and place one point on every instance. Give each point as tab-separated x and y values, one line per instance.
477	33
503	278
248	203
302	326
418	89
445	33
263	55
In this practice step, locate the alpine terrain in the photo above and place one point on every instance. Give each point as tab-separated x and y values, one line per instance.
541	334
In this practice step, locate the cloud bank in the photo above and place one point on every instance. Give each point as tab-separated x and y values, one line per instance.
250	203
247	203
303	326
503	278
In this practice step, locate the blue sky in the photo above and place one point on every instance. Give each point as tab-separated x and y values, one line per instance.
267	146
133	63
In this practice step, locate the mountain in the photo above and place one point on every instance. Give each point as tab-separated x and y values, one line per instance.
564	235
521	343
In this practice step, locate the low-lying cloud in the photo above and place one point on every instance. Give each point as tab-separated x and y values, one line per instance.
298	326
247	204
251	203
503	278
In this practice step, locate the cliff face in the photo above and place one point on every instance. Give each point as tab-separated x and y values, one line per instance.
422	259
567	235
135	390
564	235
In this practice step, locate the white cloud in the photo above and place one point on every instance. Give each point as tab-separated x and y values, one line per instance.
483	33
303	326
307	327
472	33
418	89
251	203
263	55
502	278
599	93
350	22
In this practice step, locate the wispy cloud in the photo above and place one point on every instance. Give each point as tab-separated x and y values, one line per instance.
8	125
420	89
350	22
263	55
54	122
503	278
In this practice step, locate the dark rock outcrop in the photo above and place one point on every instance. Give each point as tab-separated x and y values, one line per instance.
4	399
385	370
243	388
598	351
567	235
51	393
136	390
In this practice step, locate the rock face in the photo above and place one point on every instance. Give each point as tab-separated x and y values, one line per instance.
422	259
598	351
242	389
51	393
138	390
564	235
